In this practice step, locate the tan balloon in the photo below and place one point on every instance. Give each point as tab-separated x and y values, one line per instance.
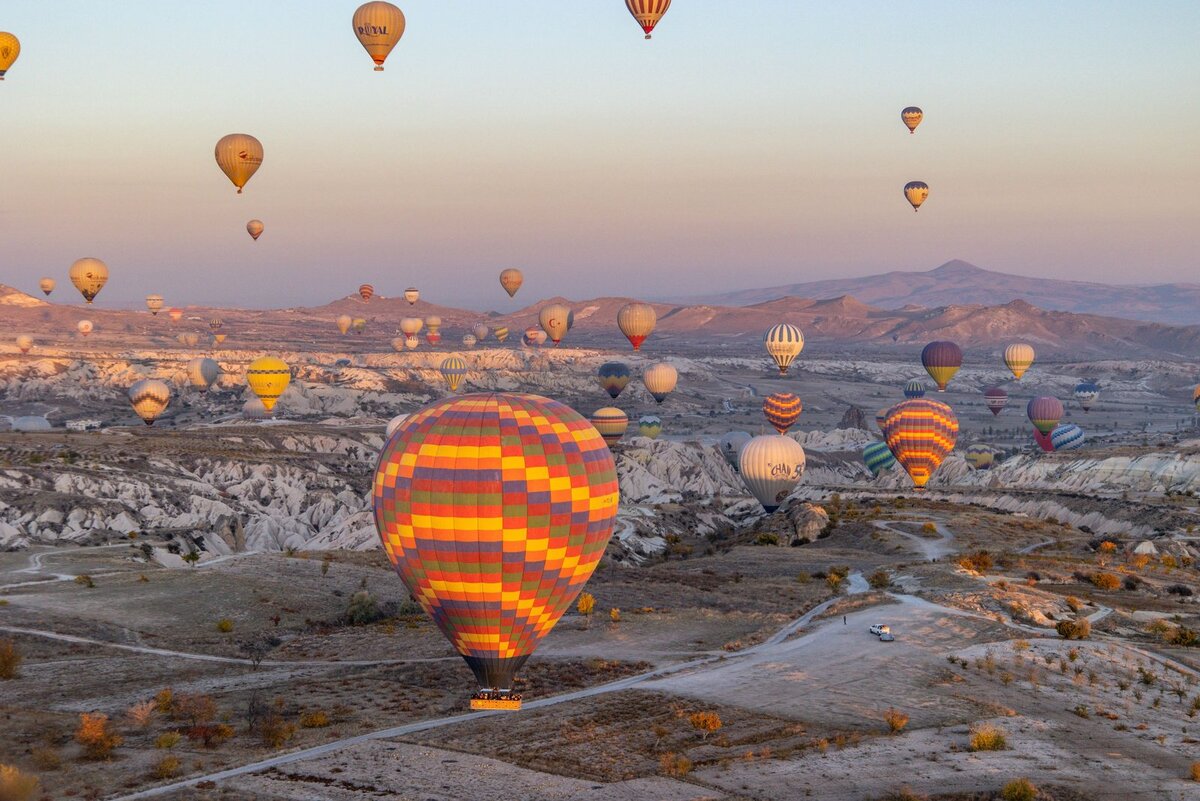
636	321
24	342
10	48
239	156
412	325
378	27
344	322
553	319
47	286
916	192
412	295
771	467
84	327
660	379
255	229
511	279
154	303
89	276
149	399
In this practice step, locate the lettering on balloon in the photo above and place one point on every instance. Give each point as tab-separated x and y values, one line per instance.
372	30
245	156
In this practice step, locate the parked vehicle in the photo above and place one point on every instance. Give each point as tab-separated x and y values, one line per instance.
880	628
886	637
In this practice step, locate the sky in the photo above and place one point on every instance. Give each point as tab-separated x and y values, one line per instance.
750	143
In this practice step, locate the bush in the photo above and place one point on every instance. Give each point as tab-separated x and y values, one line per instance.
879	580
676	765
275	731
614	615
10	660
705	722
168	739
1106	581
1079	629
1196	771
167	768
767	538
978	562
1182	635
85	581
314	720
96	736
164	702
1181	590
17	786
896	720
586	604
224	625
1019	790
140	714
986	737
363	610
929	528
45	758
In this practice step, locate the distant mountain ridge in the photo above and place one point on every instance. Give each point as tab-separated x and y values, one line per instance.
961	283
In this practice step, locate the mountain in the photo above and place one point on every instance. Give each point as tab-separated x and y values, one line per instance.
957	282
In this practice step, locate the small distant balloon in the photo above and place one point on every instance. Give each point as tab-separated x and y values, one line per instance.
636	321
996	399
480	331
378	26
366	292
782	410
154	303
149	399
344	321
912	117
202	373
660	379
24	343
84	327
613	377
611	422
941	360
501	333
553	319
1018	358
916	192
914	389
454	369
175	314
783	343
268	377
47	286
511	279
255	228
412	295
649	426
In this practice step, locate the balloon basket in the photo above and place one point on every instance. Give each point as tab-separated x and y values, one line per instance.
496	700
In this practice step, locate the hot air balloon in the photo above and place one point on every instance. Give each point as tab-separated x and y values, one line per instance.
613	377
996	399
202	373
47	286
149	399
433	337
399	344
553	319
268	377
89	276
1044	413
1018	358
611	422
255	409
1086	393
411	326
10	48
412	295
877	456
24	342
239	156
501	333
219	338
469	340
495	576
980	457
454	368
191	339
916	192
530	338
914	389
359	325
154	303
255	228
394	424
731	446
511	279
660	379
366	292
941	360
175	314
344	322
480	331
648	12
784	343
1044	441
771	466
782	410
1067	437
649	427
912	117
1196	398
216	324
636	321
433	322
880	416
84	327
920	434
378	26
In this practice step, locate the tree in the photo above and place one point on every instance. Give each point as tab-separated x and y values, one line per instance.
586	605
1079	629
10	660
705	722
256	649
96	735
879	580
191	557
16	785
896	720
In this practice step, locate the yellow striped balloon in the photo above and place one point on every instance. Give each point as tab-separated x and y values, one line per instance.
611	422
648	13
920	433
784	343
454	368
268	377
912	117
782	409
501	334
149	399
916	192
1019	358
239	156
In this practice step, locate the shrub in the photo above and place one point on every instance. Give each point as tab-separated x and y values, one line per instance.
929	528
979	562
614	615
586	604
1184	636
314	720
1074	604
705	722
210	735
1108	546
275	731
879	580
834	581
1106	581
1181	590
140	714
767	538
676	765
96	736
1019	790
166	768
10	660
1079	629
363	609
987	737
16	785
1195	771
896	720
165	701
45	758
168	739
224	625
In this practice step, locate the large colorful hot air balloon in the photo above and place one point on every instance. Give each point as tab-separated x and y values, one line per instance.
175	314
239	156
660	379
636	321
731	446
648	13
255	228
495	509
412	295
47	286
784	343
920	433
980	457
202	373
149	399
614	377
782	410
511	279
1018	358
611	422
916	192
1067	437
154	303
469	340
268	377
996	399
378	26
877	456
1086	393
89	276
24	342
454	369
649	427
501	333
912	117
553	319
84	327
344	321
941	360
771	466
366	292
10	48
914	389
480	331
1044	412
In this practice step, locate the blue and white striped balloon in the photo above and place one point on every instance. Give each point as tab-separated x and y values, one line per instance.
1067	437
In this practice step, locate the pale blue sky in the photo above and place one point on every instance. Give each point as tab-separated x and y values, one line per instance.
750	143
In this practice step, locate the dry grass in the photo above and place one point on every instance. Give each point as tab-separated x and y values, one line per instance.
895	720
1019	790
16	785
987	737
